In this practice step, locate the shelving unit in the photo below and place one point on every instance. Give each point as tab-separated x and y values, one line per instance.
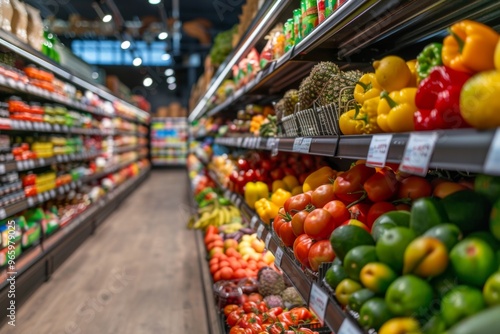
169	141
352	37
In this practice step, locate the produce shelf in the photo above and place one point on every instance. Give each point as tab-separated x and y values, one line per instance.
458	149
37	253
118	150
22	165
352	36
335	317
11	42
107	171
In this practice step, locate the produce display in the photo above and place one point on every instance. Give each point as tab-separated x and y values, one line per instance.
168	140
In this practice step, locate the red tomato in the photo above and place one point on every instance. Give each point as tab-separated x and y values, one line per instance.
288	171
322	195
238	330
279	220
266	165
250	307
302	177
249	318
414	187
348	186
360	211
319	224
250	176
242	164
382	185
298	222
255	297
338	211
277	174
234	317
307	160
286	234
297	203
320	252
376	210
358	223
262	306
301	248
304	330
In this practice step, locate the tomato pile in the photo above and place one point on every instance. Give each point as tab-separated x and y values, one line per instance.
255	318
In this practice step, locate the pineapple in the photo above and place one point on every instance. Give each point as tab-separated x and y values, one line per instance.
290	100
311	87
332	89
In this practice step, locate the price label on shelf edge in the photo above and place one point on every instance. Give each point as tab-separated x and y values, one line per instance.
278	257
275	147
253	222
348	327
302	145
2	168
418	153
270	143
493	157
260	229
377	152
3	214
31	201
268	240
318	300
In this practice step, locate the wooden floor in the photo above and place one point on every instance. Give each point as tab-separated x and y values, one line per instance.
138	274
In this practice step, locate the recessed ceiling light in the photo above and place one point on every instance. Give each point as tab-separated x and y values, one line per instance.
163	35
137	61
165	56
169	72
147	82
154	2
171	80
172	86
125	45
107	18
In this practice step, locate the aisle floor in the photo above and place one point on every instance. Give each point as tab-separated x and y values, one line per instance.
138	273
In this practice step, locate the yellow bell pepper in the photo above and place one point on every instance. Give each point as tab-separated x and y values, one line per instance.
280	196
266	210
470	47
278	184
366	88
322	176
396	109
297	190
352	122
290	182
412	65
370	109
255	191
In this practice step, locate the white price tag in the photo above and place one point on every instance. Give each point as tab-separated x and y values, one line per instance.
260	229
275	148
2	168
268	239
377	153
278	257
418	153
253	222
3	214
31	201
57	127
302	145
61	190
318	300
40	198
238	201
348	327
19	165
59	158
41	162
65	158
239	141
73	185
31	163
52	193
46	195
30	125
492	163
66	187
26	164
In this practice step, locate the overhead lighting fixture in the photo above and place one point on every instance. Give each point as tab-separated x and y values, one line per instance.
163	35
172	86
171	80
165	57
107	18
125	44
137	61
154	2
147	82
169	72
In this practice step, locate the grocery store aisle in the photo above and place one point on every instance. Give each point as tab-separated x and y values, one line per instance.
138	274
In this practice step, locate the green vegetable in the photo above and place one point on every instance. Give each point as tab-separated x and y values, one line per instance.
426	213
429	58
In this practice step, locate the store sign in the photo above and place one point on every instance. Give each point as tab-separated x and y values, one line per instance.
418	153
377	152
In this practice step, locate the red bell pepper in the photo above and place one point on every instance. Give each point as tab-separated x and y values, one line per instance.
438	100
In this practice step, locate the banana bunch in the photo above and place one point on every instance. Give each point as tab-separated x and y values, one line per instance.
215	215
234	226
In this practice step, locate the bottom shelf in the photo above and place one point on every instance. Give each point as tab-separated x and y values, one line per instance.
36	265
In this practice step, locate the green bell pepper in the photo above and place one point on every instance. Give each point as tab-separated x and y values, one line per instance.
429	58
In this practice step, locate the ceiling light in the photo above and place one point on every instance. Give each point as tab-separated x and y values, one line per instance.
165	56
147	82
137	61
171	80
169	72
95	75
172	86
154	2
163	35
125	45
107	18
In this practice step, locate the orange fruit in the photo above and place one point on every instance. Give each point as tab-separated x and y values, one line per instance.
226	273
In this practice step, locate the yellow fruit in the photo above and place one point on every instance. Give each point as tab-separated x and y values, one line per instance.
392	73
297	190
400	326
412	65
497	56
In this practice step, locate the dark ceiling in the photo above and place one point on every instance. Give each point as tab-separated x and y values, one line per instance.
223	14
